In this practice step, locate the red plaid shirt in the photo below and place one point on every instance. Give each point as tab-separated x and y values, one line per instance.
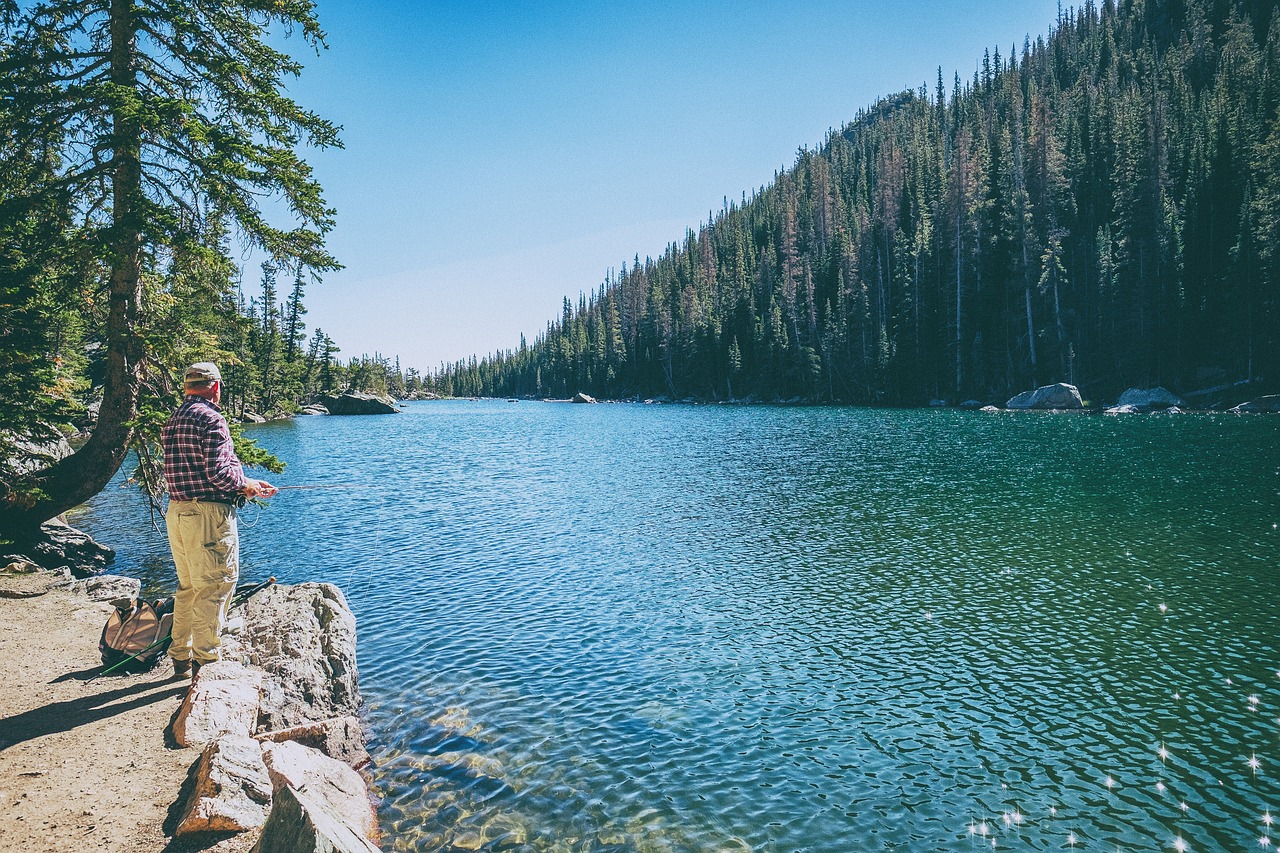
199	461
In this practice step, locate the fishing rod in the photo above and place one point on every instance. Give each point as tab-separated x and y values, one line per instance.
323	486
240	597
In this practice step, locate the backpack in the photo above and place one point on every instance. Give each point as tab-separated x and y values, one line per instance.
139	626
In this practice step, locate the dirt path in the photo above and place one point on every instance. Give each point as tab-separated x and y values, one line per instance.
85	765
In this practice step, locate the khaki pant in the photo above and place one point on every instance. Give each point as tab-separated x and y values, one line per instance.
206	552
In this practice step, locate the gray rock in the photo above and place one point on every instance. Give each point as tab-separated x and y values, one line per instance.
340	788
252	418
971	404
304	638
313	409
341	738
223	700
358	403
582	398
60	546
989	409
232	791
1126	409
1057	396
1150	398
1263	405
299	823
107	587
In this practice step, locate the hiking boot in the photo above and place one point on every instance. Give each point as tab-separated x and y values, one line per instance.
181	667
195	668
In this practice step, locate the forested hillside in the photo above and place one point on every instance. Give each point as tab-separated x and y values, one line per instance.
1100	206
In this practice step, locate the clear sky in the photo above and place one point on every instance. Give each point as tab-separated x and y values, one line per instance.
502	155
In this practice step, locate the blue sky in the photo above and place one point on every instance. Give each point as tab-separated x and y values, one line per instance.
502	155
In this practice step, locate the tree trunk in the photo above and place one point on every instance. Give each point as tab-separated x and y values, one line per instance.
80	476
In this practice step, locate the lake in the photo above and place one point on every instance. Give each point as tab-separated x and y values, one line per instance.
713	628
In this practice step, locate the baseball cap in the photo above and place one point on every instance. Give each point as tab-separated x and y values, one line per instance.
203	371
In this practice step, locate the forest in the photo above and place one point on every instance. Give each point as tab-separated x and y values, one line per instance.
1100	206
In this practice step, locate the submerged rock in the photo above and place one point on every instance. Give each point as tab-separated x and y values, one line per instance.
358	403
1057	396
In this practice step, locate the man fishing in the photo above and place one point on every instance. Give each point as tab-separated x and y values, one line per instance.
206	483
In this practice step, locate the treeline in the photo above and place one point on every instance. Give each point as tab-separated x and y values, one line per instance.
1100	207
272	367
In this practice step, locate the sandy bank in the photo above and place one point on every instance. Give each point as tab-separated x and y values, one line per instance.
84	765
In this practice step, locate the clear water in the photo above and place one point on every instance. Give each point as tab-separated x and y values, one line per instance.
642	628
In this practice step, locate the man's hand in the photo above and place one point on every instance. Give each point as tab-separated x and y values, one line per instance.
259	489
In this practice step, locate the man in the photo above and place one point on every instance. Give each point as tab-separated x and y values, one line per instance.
206	483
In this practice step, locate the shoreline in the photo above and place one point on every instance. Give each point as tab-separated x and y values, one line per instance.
101	764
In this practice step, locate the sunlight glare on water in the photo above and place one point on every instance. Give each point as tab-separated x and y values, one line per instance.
673	628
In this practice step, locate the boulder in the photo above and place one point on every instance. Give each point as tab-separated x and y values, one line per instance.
223	699
341	738
304	639
313	409
337	786
358	403
1263	405
971	404
989	409
252	418
582	398
1126	409
1149	398
1057	396
299	823
107	587
57	545
232	790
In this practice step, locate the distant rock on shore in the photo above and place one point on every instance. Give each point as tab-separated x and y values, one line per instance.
358	403
1057	396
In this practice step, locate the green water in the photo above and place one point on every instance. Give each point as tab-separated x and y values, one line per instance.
671	628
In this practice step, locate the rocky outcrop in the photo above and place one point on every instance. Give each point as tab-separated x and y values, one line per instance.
313	409
582	398
1057	396
1263	405
1145	399
232	789
358	403
299	823
288	673
223	699
339	788
304	639
59	546
340	738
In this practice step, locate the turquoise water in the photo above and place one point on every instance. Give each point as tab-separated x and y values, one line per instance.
673	628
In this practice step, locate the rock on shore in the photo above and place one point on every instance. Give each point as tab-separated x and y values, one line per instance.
358	403
1057	396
